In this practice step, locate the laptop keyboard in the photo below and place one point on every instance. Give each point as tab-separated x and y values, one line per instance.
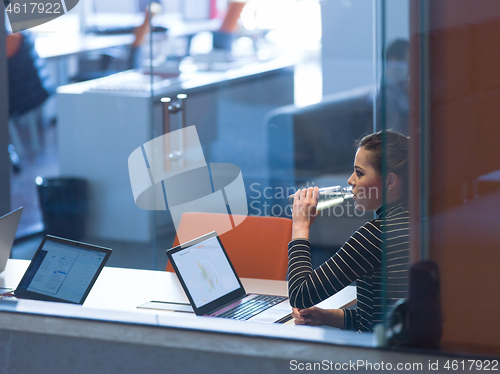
250	308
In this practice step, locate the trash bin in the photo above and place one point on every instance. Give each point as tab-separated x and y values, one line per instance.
64	205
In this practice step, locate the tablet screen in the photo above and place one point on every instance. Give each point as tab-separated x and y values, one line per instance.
62	270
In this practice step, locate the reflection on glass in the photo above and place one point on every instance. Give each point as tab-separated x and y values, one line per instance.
396	87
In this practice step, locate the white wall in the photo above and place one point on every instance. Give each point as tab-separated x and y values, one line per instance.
348	40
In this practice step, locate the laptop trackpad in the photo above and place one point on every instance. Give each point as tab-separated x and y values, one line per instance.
274	313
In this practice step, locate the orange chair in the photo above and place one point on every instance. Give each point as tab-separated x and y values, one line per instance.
257	247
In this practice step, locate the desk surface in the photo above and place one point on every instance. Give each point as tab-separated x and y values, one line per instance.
134	83
60	44
62	36
174	22
122	289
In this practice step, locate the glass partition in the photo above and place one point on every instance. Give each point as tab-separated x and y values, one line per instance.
451	116
391	120
224	107
150	110
91	69
454	132
113	76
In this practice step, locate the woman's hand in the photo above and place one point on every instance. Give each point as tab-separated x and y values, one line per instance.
304	211
318	317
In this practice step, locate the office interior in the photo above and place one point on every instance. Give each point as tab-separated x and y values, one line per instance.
282	93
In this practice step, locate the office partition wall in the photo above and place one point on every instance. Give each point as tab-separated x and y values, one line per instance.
4	157
454	130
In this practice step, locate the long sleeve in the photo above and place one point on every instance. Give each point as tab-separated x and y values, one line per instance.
359	256
358	259
350	318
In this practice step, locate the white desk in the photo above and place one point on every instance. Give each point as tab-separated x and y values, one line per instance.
62	37
120	289
63	45
90	340
61	41
40	332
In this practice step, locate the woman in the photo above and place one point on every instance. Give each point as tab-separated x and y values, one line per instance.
359	259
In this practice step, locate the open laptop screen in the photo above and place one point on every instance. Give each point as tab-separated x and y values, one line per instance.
8	228
206	272
62	270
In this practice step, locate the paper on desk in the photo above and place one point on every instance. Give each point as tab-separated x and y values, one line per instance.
167	306
342	299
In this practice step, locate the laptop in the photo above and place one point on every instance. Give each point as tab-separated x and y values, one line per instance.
62	270
213	287
8	228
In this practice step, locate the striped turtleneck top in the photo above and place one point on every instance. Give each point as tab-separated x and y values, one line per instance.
359	259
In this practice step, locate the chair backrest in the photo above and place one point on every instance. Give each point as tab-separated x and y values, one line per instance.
318	139
257	247
29	79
